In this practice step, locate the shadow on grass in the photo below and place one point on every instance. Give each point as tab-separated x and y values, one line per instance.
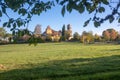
103	68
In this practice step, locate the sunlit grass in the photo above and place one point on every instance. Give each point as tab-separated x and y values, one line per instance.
60	61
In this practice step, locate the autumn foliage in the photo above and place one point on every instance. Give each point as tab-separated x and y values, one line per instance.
110	35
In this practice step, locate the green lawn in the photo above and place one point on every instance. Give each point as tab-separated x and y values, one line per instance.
59	61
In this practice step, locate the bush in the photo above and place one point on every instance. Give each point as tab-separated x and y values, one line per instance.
63	38
40	40
48	38
3	42
56	39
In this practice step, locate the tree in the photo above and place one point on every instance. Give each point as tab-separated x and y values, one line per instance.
110	35
63	33
113	34
106	35
97	38
63	30
67	34
2	32
93	6
76	36
118	37
27	8
87	37
21	35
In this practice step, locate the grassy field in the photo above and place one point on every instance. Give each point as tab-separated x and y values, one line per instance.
59	61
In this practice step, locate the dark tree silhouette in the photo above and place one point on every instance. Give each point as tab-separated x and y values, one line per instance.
95	7
63	33
27	8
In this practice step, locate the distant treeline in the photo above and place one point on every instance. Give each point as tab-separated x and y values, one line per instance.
24	36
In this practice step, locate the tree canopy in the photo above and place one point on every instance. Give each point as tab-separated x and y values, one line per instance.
27	8
2	32
95	7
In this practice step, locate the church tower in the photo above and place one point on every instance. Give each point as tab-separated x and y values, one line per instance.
37	30
69	31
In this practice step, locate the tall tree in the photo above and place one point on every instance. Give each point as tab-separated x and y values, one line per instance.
113	34
87	37
76	36
97	38
2	32
69	32
25	10
106	35
63	30
63	33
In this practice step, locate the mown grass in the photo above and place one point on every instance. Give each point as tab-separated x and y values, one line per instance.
60	61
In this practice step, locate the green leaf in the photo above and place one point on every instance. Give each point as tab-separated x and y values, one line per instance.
111	19
105	2
101	9
63	10
29	16
11	29
5	24
13	32
119	20
18	23
3	10
69	8
81	8
88	6
8	25
0	13
14	25
86	22
11	20
15	10
22	11
96	24
62	2
92	9
57	1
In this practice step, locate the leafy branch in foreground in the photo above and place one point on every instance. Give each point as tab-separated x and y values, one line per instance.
95	7
25	9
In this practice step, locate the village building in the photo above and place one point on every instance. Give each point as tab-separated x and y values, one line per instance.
69	32
55	35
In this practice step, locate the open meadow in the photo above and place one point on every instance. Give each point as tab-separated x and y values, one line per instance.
60	61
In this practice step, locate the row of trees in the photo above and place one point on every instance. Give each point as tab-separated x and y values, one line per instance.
26	9
109	35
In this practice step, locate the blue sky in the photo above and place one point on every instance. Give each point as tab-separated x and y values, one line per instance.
54	18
